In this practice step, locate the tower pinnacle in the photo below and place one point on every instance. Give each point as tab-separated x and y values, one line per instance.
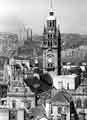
51	4
51	8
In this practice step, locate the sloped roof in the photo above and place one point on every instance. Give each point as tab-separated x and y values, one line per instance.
45	83
61	97
38	111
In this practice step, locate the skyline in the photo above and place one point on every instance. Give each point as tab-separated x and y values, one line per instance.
70	14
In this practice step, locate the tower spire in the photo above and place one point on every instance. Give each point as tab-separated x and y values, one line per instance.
51	8
51	4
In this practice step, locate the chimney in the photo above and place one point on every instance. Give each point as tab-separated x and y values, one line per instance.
59	53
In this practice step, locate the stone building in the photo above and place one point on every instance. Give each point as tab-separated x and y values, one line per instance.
80	100
68	82
60	106
18	97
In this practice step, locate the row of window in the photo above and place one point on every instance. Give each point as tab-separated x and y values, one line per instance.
50	65
27	105
50	43
59	109
79	103
51	23
51	36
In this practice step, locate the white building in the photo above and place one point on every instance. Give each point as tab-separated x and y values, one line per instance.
65	81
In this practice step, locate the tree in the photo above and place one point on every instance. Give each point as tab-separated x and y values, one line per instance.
39	84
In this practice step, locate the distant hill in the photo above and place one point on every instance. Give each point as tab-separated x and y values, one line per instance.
73	40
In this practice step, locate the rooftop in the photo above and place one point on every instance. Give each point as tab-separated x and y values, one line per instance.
38	111
61	97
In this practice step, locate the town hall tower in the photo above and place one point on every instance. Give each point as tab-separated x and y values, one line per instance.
51	44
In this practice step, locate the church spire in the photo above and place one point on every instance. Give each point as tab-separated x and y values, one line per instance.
51	8
51	4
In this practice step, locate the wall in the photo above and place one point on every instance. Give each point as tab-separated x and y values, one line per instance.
20	114
4	114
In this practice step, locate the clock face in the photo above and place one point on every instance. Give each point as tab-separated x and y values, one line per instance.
50	59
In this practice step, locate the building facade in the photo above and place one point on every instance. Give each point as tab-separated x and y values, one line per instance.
80	100
16	97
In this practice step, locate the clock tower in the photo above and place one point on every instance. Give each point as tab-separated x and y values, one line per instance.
51	44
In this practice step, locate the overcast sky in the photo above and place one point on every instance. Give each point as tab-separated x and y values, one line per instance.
70	14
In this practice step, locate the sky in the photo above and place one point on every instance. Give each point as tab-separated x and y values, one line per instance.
70	14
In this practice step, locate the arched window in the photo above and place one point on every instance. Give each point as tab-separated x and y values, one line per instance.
49	43
59	110
85	103
78	103
50	23
53	23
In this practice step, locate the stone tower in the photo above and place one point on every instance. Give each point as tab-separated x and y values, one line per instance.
51	44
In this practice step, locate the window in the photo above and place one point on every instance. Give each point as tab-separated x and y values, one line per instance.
67	86
49	36
16	89
49	43
50	65
54	36
2	102
78	103
28	105
59	110
54	23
